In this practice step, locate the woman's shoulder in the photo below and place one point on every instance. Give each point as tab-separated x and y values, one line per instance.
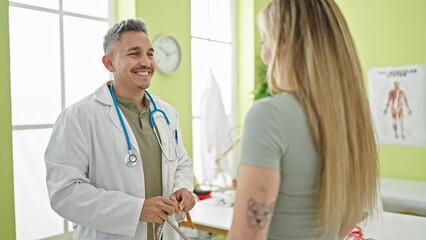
284	102
279	113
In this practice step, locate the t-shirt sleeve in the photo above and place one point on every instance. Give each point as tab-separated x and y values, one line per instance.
262	142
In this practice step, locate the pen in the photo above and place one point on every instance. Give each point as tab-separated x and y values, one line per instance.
176	140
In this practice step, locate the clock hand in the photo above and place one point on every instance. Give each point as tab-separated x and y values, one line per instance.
164	50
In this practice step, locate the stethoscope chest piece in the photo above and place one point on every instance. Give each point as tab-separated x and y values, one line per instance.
130	159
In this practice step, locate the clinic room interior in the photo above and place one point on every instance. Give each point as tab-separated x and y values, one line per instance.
47	46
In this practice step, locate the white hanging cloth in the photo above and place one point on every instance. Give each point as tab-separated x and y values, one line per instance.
215	131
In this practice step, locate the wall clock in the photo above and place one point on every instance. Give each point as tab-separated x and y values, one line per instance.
167	54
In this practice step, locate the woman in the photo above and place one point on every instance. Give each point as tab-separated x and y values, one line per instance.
308	156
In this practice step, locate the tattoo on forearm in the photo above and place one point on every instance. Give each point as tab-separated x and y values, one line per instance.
258	214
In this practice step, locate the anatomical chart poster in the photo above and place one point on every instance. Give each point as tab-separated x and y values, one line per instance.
398	104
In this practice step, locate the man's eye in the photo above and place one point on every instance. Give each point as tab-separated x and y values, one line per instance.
150	54
134	54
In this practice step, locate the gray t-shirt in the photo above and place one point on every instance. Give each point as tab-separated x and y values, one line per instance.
277	135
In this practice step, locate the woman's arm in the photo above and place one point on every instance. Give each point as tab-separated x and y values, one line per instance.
255	199
347	226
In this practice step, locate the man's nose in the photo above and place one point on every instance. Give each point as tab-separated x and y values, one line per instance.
145	61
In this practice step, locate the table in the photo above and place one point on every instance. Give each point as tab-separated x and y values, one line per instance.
395	226
403	195
209	217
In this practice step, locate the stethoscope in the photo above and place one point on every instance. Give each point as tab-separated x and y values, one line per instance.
130	159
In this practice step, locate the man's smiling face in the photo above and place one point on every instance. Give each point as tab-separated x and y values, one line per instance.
133	61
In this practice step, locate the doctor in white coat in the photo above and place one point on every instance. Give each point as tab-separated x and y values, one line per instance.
89	177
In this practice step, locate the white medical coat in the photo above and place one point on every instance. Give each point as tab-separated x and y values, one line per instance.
88	181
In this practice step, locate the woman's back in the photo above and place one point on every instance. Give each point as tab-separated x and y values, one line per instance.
311	161
276	135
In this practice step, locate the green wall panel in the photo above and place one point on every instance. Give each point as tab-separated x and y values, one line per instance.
390	33
125	9
246	56
7	213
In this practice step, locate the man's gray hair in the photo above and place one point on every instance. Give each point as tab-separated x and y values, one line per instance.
127	25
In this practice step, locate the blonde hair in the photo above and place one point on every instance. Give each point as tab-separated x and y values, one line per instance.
313	55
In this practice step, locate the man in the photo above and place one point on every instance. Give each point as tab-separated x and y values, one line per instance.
89	184
396	99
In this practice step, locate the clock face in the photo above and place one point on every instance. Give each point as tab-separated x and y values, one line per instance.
167	54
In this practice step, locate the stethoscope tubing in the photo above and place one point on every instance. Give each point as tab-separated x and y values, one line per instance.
129	147
155	110
128	158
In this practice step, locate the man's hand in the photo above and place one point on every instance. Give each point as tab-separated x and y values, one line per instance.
185	198
157	209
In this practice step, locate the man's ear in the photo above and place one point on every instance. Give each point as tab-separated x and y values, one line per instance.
107	61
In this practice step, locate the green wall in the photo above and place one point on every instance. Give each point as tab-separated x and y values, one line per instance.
7	213
246	56
125	9
391	33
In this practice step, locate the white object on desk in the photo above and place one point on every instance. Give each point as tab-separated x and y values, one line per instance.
395	226
225	199
208	213
403	195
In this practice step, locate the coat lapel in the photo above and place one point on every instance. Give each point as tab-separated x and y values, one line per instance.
103	95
